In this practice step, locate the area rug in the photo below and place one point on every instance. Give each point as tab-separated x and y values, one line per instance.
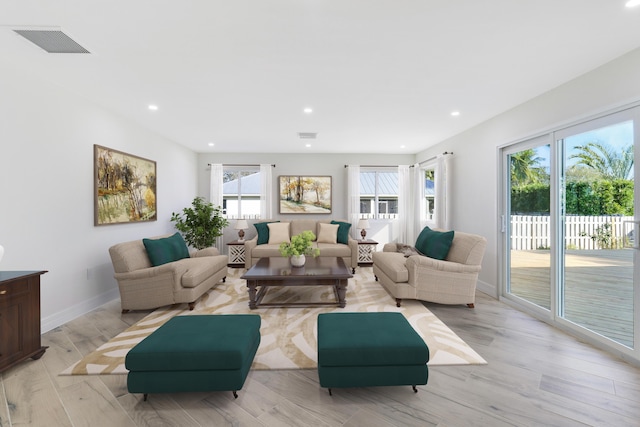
288	335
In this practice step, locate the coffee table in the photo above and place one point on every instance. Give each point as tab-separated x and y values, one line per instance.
320	271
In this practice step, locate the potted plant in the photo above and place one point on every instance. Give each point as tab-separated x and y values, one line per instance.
201	223
299	246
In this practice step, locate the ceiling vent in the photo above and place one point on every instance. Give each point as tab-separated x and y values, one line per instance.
53	41
307	135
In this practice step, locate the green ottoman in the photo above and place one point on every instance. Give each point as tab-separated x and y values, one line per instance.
368	350
195	353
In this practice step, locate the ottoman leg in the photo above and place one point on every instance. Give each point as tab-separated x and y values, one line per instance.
235	395
415	390
144	396
330	393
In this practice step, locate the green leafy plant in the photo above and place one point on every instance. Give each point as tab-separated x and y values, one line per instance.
300	245
201	224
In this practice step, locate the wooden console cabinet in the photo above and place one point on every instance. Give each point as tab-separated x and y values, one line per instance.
19	317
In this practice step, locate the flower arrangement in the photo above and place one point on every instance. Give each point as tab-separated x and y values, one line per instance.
300	245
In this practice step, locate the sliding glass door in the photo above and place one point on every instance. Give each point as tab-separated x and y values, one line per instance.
528	222
569	227
597	273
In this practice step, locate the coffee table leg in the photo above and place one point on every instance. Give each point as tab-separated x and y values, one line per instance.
342	292
252	294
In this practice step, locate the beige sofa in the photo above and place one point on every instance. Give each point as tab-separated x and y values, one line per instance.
449	281
143	286
348	252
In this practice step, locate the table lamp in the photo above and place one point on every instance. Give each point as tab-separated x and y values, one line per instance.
241	225
363	224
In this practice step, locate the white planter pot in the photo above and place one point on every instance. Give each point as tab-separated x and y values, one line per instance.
297	260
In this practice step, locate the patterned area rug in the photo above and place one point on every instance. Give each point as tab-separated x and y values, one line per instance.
288	335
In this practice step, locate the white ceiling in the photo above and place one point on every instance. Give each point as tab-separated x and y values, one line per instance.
379	74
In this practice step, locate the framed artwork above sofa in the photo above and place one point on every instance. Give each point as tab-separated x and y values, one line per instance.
124	187
304	194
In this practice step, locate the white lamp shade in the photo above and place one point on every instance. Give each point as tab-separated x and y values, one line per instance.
1	252
363	224
241	224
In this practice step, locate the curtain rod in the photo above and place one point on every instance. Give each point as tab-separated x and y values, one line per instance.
375	166
238	164
434	157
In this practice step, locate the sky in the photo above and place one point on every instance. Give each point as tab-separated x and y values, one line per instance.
618	136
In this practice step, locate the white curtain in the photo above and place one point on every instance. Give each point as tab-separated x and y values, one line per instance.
353	196
405	211
266	192
215	196
416	223
442	187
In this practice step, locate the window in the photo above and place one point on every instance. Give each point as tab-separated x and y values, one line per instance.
429	193
241	192
378	194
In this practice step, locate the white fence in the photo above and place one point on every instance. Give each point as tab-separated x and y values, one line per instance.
534	232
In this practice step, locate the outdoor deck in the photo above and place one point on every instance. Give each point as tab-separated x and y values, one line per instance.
598	287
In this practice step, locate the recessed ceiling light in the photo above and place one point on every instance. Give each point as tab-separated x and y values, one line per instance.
153	107
307	145
455	113
403	146
211	144
308	110
632	3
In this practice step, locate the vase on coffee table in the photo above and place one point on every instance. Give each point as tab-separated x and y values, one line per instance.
298	260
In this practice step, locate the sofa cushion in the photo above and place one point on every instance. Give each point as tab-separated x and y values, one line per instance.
200	269
263	232
434	244
266	251
300	225
165	250
393	264
327	233
343	231
278	232
334	249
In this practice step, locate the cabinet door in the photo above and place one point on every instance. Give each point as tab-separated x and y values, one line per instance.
12	327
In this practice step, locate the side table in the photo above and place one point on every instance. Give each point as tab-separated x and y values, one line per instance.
366	248
236	254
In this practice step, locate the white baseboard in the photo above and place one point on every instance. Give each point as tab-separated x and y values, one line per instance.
488	289
60	318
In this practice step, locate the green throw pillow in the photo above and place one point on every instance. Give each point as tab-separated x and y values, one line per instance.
263	232
434	244
168	249
343	231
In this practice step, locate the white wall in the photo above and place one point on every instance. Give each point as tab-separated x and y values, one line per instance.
306	164
475	165
46	191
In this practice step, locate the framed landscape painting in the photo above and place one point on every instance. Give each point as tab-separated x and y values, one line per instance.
305	194
124	187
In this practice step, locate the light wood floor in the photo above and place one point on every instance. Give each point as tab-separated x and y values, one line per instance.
536	375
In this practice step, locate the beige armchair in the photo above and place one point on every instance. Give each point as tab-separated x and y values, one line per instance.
450	281
143	286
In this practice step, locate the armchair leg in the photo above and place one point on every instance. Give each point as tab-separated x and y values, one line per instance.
353	270
470	305
398	302
224	279
376	278
124	310
192	305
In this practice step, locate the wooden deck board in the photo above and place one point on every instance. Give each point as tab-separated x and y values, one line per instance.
598	288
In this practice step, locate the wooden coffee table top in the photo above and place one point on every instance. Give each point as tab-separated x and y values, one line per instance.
280	268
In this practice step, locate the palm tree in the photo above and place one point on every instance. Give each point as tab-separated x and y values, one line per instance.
525	168
606	160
